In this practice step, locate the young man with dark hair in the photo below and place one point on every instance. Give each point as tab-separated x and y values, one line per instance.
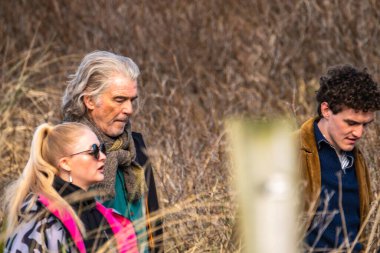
338	192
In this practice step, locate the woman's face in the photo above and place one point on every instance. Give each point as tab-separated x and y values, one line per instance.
84	168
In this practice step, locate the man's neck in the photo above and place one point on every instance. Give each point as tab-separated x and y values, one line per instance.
322	125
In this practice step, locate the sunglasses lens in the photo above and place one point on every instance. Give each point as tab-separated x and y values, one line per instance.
95	150
103	148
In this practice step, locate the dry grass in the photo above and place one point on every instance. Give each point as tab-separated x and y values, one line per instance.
201	61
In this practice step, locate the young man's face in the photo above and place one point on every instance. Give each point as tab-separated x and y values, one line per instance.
345	128
112	109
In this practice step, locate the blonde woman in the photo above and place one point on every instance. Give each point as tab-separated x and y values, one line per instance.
49	208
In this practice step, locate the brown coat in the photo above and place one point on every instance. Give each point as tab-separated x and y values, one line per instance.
311	173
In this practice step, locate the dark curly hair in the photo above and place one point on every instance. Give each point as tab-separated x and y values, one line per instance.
346	86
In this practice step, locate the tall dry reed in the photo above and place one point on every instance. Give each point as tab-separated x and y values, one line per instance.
201	62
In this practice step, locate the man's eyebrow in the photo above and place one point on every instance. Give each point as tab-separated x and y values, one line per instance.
357	122
351	121
125	97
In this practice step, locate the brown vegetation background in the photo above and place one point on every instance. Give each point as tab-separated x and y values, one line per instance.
201	61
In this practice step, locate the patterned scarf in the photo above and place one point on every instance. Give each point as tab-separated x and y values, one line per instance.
121	153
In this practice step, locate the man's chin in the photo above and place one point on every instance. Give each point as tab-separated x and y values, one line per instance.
115	132
348	148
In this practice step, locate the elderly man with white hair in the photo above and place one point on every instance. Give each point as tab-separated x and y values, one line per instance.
101	94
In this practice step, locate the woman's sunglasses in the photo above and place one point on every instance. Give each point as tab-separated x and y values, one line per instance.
94	151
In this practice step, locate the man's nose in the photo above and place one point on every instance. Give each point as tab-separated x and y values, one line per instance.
128	107
358	131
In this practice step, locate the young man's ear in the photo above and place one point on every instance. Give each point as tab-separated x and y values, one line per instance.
325	110
89	102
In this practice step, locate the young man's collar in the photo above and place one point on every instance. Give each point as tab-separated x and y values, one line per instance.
346	158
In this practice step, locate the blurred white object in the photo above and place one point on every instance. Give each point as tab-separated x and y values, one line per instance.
263	158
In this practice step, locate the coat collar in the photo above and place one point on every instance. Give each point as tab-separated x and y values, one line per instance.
307	135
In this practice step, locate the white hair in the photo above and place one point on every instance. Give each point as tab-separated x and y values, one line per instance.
91	78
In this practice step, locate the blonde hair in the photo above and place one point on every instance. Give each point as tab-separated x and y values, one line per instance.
49	144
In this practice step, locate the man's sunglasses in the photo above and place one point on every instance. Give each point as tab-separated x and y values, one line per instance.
94	151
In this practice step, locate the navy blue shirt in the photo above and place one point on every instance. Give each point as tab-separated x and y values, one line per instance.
326	230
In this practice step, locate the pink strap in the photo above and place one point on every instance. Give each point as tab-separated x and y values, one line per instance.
122	228
68	222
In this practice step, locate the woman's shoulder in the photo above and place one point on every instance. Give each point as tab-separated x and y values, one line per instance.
38	230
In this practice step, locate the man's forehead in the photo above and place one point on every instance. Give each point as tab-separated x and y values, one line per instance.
121	84
357	115
119	79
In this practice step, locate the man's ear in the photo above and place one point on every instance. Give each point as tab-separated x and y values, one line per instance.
89	102
63	164
325	110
